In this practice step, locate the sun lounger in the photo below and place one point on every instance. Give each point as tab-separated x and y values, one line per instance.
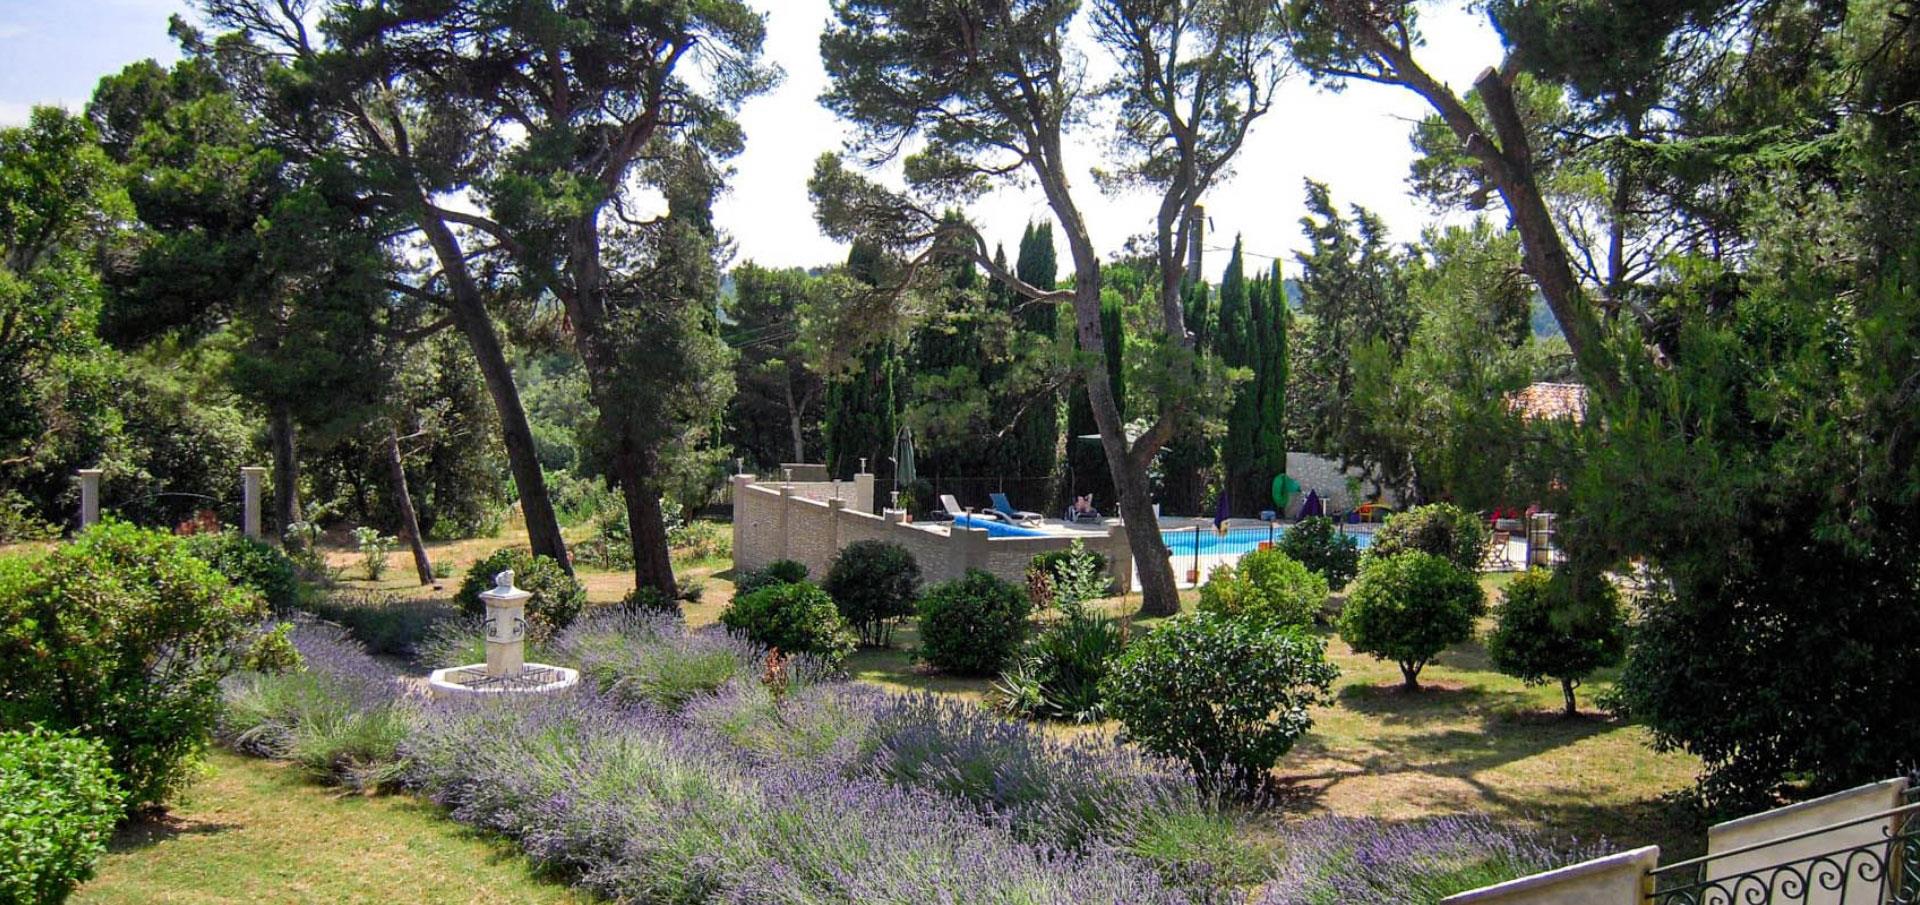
1005	507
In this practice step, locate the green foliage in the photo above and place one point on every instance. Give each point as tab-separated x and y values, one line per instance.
374	548
1227	696
1265	584
1318	543
1085	459
59	803
972	626
1545	630
1029	449
1408	607
383	624
122	636
1058	673
1441	529
251	564
557	597
874	584
1252	335
796	618
700	540
1066	578
649	599
780	571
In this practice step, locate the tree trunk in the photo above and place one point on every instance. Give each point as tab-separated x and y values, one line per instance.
1566	688
470	315
794	426
1411	674
286	468
652	565
403	499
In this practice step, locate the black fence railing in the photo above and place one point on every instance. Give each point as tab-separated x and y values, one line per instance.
1816	866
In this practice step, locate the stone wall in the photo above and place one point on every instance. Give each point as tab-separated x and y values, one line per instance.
1613	880
1326	476
1761	884
803	523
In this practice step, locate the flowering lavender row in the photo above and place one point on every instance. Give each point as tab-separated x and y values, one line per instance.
1332	860
637	803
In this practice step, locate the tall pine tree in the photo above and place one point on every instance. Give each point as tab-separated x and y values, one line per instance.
1189	457
1086	460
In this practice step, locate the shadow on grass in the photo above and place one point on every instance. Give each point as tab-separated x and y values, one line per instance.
1435	700
154	829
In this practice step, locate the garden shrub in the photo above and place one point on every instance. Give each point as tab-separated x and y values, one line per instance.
557	597
124	636
1226	696
1441	529
374	548
1265	584
1318	543
972	625
874	584
792	619
780	571
1075	572
59	802
1409	607
1058	674
383	624
249	563
700	540
649	599
1544	631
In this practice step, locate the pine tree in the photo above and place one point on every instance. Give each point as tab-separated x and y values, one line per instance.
1086	459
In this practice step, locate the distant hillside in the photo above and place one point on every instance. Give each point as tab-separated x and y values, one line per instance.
1544	326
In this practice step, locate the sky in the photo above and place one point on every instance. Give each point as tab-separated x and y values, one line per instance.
1356	141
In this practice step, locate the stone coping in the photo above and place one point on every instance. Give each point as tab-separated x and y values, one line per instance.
538	678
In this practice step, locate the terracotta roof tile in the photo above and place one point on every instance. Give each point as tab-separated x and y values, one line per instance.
1542	401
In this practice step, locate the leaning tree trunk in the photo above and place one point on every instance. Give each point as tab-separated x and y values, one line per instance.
286	467
470	315
403	499
1566	688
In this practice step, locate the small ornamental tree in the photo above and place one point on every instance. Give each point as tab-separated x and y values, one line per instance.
1318	543
874	584
1409	607
1265	584
1554	626
1228	696
1442	529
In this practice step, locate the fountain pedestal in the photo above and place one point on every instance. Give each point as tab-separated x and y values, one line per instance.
506	670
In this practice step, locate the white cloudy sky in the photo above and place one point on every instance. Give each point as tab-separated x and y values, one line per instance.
53	51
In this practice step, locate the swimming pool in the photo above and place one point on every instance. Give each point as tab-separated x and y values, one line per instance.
1204	540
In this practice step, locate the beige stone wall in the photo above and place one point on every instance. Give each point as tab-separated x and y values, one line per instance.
1762	884
1614	880
1326	476
805	523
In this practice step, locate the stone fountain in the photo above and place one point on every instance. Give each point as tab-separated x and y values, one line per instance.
506	671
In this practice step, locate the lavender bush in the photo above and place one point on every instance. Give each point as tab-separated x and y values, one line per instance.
1332	861
341	715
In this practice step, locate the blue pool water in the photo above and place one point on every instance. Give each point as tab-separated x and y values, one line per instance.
1205	540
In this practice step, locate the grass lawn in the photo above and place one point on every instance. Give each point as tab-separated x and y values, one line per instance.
1472	741
254	831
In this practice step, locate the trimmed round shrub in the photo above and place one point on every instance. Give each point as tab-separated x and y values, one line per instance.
557	597
1553	626
1409	607
972	625
123	636
249	563
1227	696
874	584
1441	529
780	571
59	801
796	618
1318	543
1265	584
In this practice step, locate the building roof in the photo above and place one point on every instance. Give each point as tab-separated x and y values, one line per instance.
1545	401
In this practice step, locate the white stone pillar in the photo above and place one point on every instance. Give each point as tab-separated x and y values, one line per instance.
251	477
863	493
89	497
506	627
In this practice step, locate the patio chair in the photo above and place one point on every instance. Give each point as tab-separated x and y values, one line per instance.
954	510
1499	558
1005	507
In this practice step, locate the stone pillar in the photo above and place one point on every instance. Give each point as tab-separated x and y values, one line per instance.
506	627
1120	556
89	497
969	550
743	551
863	493
250	478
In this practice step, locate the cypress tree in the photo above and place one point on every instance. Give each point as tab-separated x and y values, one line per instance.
863	412
1190	454
1272	380
948	357
1238	341
1032	447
